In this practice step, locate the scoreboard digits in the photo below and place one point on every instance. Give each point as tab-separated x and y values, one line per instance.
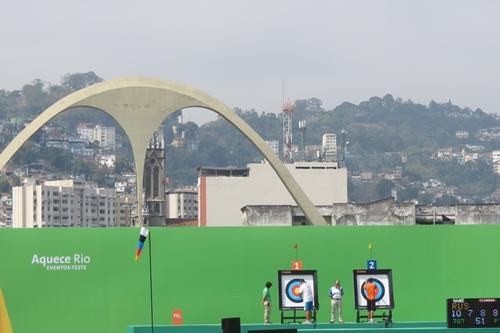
473	312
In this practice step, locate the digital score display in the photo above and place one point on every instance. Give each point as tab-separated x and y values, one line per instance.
473	312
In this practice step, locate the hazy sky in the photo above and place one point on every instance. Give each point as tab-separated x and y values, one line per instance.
240	51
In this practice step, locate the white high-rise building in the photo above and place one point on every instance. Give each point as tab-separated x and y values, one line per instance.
68	203
108	160
85	132
495	156
5	210
275	146
329	146
496	168
105	136
182	203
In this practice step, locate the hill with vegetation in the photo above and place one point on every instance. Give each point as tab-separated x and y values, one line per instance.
384	133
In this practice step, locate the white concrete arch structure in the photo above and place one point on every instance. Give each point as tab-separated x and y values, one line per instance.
140	105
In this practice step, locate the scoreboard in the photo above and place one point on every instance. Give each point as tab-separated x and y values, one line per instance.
473	312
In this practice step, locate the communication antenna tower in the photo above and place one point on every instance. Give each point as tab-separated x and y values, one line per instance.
288	108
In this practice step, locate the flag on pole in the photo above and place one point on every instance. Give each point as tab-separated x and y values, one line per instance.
140	244
369	246
296	246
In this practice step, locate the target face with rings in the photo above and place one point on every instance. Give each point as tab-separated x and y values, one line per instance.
382	279
380	286
289	286
292	291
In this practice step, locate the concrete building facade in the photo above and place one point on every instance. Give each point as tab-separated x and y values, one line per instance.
85	132
105	136
382	212
223	192
274	145
107	160
182	204
5	210
68	203
329	146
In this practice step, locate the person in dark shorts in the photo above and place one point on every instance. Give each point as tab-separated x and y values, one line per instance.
371	291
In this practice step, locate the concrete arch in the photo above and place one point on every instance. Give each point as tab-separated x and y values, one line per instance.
140	105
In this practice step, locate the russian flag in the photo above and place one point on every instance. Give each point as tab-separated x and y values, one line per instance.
140	244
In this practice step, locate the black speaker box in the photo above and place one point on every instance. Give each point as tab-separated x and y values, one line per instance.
231	325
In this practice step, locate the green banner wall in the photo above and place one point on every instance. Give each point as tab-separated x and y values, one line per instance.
211	273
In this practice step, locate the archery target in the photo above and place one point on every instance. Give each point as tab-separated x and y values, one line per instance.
292	291
380	288
289	283
382	279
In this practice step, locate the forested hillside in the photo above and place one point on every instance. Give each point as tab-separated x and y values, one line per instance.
384	133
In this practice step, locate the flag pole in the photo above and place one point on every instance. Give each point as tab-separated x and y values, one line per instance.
151	284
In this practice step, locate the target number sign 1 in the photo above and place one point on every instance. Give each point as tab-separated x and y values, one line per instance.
473	312
297	265
382	278
289	285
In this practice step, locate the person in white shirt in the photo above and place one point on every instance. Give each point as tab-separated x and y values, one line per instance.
336	293
305	291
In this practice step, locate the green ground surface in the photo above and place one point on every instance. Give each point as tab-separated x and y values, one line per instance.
211	273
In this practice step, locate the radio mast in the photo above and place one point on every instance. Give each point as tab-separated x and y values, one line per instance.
288	108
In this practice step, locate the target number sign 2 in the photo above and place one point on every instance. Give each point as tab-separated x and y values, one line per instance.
371	264
289	285
382	278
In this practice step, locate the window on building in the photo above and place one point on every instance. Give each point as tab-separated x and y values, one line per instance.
156	180
147	181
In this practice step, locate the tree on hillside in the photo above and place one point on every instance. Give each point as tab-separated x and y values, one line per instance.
77	81
384	188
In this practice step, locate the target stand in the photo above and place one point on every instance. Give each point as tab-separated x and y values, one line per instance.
384	299
290	300
386	318
298	314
